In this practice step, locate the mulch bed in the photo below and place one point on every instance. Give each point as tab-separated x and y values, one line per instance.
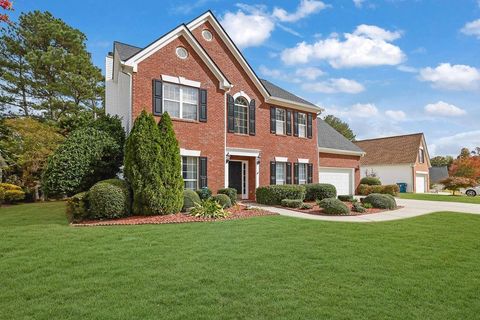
316	210
236	212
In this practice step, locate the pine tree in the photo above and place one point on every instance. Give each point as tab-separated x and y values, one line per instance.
172	198
341	126
142	170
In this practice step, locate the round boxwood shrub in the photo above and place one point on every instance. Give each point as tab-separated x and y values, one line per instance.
77	207
345	198
319	191
274	194
380	201
371	181
108	200
223	200
230	192
190	197
204	193
333	206
292	203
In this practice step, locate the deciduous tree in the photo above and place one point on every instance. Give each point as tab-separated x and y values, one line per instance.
456	183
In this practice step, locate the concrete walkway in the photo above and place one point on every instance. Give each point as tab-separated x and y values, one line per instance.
412	208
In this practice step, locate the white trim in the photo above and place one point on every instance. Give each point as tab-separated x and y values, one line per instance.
338	151
181	80
189	153
303	160
421	172
352	176
241	94
281	159
291	104
257	173
243	152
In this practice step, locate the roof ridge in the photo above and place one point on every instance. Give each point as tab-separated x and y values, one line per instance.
389	137
126	44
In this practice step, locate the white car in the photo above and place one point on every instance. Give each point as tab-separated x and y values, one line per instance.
472	192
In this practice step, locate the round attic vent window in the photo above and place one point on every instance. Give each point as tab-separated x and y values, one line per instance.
182	53
207	35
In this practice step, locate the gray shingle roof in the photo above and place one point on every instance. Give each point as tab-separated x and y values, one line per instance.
125	50
277	92
438	174
332	139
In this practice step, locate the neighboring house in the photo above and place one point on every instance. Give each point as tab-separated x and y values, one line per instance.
233	128
398	159
339	159
438	174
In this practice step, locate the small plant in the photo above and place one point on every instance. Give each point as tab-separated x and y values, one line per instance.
306	206
208	208
77	207
190	197
367	206
333	206
357	207
230	192
292	203
223	200
345	198
371	181
204	193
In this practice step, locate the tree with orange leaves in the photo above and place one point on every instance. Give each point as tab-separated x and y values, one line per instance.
8	6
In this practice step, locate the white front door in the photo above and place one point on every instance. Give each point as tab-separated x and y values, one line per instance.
420	181
342	179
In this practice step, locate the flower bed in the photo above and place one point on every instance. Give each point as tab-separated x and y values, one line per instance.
236	212
316	210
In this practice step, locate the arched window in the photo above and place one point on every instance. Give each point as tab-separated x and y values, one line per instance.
240	115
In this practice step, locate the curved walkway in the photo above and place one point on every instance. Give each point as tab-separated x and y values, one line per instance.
411	208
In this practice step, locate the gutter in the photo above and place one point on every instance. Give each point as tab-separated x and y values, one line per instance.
339	151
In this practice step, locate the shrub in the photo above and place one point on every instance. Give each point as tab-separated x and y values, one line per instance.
306	206
86	157
370	181
292	203
9	186
77	207
208	208
204	193
108	200
319	191
381	201
190	197
364	189
12	196
274	194
367	205
223	200
333	206
230	192
345	198
456	183
357	207
391	189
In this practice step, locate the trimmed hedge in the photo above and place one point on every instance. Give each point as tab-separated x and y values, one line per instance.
77	207
371	181
319	191
204	193
345	198
230	192
391	189
274	194
190	197
109	200
333	206
292	203
223	200
380	201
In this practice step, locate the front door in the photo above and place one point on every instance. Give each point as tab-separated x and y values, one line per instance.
237	177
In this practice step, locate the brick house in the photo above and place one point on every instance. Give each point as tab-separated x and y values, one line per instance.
233	128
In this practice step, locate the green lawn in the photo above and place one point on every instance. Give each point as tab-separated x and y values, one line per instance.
440	197
261	268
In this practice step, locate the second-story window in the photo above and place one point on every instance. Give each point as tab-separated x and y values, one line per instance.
280	121
302	125
180	101
421	155
241	115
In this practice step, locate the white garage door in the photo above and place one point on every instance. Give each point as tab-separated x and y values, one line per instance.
340	178
420	180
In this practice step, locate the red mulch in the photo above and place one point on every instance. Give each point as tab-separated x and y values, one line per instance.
236	212
316	210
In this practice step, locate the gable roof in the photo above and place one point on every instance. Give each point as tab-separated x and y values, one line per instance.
391	150
124	50
331	141
277	92
438	174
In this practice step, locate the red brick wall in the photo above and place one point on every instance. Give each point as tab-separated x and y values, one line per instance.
341	161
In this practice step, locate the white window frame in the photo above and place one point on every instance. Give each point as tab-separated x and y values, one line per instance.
302	127
284	166
280	123
181	101
197	174
235	106
304	166
421	155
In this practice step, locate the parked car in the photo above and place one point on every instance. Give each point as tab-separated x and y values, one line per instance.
472	192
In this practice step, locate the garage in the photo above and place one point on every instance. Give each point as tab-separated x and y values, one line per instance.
420	183
341	178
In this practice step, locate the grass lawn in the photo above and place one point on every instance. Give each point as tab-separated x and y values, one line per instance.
260	268
440	197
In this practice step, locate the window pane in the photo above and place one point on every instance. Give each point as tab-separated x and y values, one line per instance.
192	185
190	111
171	91
280	173
302	125
280	123
189	172
302	173
172	107
190	95
240	118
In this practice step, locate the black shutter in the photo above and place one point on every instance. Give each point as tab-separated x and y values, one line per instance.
251	117
202	172
157	97
230	113
309	173
273	173
202	112
295	123
288	168
309	126
288	123
184	167
272	120
295	173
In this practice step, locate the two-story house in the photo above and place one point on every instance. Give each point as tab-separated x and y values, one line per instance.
233	128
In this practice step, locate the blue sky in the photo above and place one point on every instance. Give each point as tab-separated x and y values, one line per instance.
386	67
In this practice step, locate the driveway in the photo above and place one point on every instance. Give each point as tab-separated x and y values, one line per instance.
412	208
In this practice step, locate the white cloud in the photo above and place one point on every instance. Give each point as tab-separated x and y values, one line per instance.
247	30
452	77
309	73
306	8
364	110
335	85
451	144
396	115
408	69
472	28
366	46
358	3
444	109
